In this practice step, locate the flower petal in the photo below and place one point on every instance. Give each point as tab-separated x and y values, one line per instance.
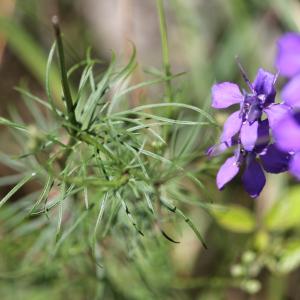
288	55
225	94
291	92
263	136
287	134
275	112
227	172
275	160
264	83
295	165
249	134
253	178
231	127
218	149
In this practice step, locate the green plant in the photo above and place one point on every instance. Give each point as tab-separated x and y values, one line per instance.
102	170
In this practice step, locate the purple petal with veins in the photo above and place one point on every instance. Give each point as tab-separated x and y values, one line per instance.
227	172
249	135
218	149
231	127
226	94
276	112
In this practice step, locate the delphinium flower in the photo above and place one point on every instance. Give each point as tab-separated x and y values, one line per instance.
288	64
247	131
287	131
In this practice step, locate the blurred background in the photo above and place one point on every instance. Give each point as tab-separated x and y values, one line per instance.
254	249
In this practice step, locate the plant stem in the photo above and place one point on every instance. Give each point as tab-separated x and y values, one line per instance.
66	91
165	48
64	77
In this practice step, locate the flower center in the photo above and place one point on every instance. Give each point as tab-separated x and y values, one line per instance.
252	108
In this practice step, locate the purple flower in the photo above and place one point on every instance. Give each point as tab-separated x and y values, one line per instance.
247	130
263	156
287	131
253	104
287	136
288	64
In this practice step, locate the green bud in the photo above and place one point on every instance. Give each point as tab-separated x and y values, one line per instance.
36	138
261	240
248	257
237	270
157	145
251	286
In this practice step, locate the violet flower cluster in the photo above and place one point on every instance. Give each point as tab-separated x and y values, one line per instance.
263	135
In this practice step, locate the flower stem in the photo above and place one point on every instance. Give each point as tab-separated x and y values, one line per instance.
64	77
66	92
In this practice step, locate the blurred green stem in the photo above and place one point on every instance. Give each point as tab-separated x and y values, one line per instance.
216	282
165	48
276	287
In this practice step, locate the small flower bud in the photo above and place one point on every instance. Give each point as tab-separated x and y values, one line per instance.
237	270
248	257
36	138
251	286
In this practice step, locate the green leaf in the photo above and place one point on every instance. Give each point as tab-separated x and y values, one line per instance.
10	179
100	215
160	105
43	195
189	222
234	218
25	93
285	213
16	188
94	99
146	84
70	230
47	82
11	124
290	257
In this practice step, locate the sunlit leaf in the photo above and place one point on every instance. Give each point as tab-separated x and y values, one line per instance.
290	257
285	213
234	218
